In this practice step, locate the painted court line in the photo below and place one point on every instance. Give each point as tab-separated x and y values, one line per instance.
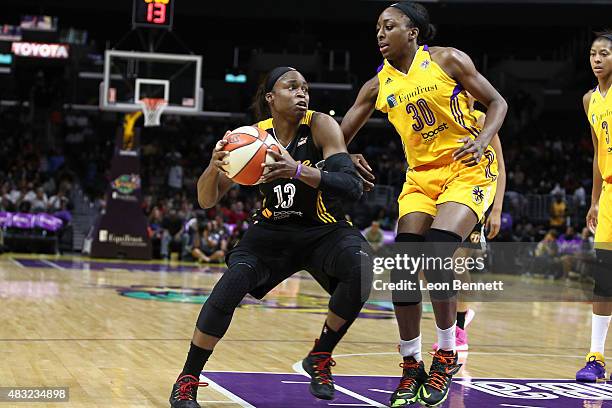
16	262
297	367
518	406
52	264
473	353
295	382
227	393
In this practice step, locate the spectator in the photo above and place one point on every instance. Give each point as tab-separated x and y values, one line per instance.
373	234
40	203
545	261
172	235
208	246
557	212
237	213
569	245
175	174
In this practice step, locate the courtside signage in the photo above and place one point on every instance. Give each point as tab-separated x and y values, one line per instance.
40	50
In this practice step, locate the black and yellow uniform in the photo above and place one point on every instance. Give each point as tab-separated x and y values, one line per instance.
430	112
600	117
298	227
293	202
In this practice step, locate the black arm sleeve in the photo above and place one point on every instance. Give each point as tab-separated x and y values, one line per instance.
340	177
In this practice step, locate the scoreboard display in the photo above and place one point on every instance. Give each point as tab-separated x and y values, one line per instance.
153	13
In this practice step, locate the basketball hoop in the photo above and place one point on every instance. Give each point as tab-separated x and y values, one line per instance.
152	108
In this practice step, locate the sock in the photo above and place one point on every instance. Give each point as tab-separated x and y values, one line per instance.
599	330
327	340
196	358
446	338
461	320
411	348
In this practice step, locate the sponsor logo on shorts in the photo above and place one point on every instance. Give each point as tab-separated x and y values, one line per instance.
392	101
477	195
266	213
475	237
279	215
430	136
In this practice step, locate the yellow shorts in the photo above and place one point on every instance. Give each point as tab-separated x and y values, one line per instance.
428	186
603	233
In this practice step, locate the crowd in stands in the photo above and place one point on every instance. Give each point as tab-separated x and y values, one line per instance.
47	150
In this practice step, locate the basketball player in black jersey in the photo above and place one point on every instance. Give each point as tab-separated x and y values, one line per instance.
301	226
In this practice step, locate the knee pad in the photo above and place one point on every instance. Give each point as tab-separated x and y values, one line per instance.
216	313
441	245
602	274
412	297
354	271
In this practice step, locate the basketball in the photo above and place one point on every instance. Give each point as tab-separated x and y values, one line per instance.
248	147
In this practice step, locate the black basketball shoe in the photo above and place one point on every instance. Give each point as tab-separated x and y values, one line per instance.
413	377
185	392
435	389
318	366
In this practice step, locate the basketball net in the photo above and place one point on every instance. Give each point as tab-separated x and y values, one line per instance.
152	108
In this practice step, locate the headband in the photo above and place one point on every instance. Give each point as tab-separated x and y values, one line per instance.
606	36
274	76
409	10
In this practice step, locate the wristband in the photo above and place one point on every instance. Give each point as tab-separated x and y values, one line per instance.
298	171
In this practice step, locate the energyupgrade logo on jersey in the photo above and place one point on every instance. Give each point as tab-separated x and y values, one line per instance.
392	101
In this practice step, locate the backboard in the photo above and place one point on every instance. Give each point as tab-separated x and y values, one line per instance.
130	76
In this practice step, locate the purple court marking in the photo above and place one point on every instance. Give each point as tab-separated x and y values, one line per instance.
102	265
291	390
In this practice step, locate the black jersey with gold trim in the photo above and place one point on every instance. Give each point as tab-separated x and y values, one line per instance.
288	201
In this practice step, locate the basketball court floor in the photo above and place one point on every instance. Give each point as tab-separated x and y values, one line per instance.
117	332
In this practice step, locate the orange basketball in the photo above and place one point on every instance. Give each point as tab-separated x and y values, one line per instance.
248	147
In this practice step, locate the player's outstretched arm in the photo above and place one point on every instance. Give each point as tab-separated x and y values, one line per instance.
213	183
361	110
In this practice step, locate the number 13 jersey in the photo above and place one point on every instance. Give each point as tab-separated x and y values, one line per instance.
288	201
427	108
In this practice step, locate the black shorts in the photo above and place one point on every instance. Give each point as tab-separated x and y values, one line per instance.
280	251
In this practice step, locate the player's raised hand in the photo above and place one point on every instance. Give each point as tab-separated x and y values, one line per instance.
591	218
471	151
283	167
218	159
364	170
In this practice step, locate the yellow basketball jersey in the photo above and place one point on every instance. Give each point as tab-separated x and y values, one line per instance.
427	108
600	116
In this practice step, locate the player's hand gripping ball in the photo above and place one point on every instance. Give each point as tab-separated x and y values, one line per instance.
247	147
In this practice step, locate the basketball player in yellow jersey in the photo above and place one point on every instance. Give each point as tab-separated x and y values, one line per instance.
598	107
475	243
451	177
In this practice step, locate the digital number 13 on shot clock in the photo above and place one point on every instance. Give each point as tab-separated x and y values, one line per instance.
153	13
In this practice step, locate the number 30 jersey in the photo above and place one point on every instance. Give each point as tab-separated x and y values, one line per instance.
288	201
427	108
600	117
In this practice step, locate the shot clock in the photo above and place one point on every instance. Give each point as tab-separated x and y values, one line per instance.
153	13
